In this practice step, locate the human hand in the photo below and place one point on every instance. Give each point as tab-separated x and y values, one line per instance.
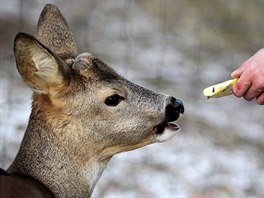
250	84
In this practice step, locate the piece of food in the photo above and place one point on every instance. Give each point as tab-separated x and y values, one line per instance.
220	90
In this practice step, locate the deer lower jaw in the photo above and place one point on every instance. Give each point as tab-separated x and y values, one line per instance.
166	131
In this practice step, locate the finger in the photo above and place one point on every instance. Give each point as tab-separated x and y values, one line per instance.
237	73
255	90
260	99
242	86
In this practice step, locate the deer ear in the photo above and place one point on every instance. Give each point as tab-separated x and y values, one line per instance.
38	66
54	32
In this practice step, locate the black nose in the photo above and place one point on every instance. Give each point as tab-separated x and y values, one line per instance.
179	106
174	109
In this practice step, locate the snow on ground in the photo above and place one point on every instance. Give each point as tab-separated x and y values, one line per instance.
219	151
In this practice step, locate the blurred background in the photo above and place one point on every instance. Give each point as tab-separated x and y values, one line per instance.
177	47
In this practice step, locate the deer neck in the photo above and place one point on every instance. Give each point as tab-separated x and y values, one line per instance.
53	162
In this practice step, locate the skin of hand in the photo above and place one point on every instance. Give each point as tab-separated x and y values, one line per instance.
250	84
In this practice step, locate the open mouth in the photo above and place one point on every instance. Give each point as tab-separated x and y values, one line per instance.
172	113
172	126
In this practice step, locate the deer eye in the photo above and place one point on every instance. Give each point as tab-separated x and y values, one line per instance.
113	100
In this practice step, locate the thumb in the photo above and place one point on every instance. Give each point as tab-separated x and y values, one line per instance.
237	73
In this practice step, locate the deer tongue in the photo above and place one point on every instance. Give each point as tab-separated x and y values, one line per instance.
172	126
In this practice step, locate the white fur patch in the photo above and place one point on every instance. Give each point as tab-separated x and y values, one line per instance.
47	66
166	135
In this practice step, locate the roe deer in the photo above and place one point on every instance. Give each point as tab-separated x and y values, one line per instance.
83	113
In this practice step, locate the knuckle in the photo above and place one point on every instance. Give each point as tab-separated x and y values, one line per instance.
259	85
247	98
235	92
260	102
260	99
261	50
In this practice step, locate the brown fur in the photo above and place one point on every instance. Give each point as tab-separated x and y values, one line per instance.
72	131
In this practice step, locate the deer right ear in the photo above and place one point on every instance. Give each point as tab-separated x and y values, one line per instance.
54	32
40	68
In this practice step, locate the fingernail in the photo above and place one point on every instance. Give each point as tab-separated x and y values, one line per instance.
236	88
233	74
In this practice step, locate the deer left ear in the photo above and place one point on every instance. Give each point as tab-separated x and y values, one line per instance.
40	68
